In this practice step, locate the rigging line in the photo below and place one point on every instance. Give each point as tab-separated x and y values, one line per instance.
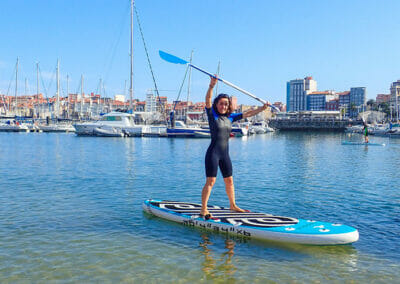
52	78
44	86
12	78
62	91
26	82
79	86
148	59
27	89
180	89
113	48
98	87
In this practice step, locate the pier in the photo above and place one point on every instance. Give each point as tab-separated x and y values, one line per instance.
311	120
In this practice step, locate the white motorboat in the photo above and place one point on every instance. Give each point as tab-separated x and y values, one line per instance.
155	131
268	128
182	130
379	129
108	131
122	121
260	128
202	134
394	131
57	128
239	131
33	127
257	128
354	129
13	127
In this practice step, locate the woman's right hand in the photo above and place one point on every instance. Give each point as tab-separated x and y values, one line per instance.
213	81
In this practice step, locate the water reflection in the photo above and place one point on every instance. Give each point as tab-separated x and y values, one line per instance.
223	260
214	266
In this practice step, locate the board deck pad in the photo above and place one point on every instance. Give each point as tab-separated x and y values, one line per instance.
253	224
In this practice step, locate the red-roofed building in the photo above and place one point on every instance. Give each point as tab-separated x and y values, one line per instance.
140	106
382	98
333	104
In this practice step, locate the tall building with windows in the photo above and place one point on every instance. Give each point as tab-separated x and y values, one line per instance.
316	101
151	104
358	99
395	99
344	103
297	91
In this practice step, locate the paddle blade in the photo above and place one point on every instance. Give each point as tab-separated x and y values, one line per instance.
171	58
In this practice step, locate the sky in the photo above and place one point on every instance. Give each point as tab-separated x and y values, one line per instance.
259	44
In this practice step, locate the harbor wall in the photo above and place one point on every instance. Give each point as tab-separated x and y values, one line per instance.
311	124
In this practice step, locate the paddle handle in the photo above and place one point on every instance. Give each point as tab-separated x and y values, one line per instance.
243	91
249	94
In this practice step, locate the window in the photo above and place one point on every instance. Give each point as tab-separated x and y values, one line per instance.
111	118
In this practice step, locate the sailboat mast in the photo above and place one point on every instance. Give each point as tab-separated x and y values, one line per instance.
69	102
100	96
37	88
90	106
131	77
58	90
188	91
16	87
82	100
216	89
397	104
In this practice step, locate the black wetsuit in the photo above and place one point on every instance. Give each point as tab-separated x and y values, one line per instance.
218	151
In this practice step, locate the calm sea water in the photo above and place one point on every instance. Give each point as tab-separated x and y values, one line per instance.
71	208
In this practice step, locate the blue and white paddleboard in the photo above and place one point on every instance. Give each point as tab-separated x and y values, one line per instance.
362	143
254	225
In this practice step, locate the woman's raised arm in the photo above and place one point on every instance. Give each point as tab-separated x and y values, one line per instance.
209	94
253	112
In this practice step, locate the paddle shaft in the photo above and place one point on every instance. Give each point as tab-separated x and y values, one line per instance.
233	86
176	60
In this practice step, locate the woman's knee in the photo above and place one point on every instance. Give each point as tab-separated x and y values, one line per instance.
210	181
228	181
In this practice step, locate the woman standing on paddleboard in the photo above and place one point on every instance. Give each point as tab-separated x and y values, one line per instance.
220	118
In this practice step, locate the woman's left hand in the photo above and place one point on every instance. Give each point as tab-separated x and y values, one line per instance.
266	105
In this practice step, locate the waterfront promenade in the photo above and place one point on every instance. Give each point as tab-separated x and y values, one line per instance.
310	124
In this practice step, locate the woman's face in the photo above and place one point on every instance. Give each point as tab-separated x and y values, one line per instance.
223	105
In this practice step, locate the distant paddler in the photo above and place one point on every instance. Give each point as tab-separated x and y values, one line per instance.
365	132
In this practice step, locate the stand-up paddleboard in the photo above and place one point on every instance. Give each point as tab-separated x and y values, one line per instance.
254	225
362	143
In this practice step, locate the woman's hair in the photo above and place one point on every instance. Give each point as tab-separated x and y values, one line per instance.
216	100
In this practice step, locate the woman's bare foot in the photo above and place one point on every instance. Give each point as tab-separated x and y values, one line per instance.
237	209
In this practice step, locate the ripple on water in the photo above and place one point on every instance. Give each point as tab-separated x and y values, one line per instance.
71	209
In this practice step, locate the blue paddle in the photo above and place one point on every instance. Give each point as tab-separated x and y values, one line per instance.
173	59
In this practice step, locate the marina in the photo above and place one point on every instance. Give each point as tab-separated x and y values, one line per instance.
121	162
